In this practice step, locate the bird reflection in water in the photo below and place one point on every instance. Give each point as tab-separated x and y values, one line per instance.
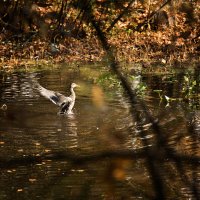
67	131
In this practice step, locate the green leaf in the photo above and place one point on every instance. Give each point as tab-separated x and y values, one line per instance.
186	78
167	98
194	82
157	91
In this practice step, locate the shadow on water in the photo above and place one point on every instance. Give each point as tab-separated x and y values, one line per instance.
42	153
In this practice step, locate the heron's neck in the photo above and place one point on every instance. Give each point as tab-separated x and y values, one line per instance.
73	95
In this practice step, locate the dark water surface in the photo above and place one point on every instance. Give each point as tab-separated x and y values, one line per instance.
30	127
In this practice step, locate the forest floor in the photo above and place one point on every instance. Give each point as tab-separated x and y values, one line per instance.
130	49
176	46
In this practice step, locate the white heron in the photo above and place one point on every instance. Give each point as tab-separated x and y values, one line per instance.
66	104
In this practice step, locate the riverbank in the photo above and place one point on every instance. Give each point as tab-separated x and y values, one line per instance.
132	48
167	36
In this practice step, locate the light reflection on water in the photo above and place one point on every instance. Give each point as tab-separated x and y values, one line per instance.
31	126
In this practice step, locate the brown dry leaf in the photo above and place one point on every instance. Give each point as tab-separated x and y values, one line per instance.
32	180
47	150
118	168
39	164
119	174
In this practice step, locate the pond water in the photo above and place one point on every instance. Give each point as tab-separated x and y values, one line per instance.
30	128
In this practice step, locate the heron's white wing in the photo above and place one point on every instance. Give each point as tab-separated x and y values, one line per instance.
60	99
56	97
48	94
